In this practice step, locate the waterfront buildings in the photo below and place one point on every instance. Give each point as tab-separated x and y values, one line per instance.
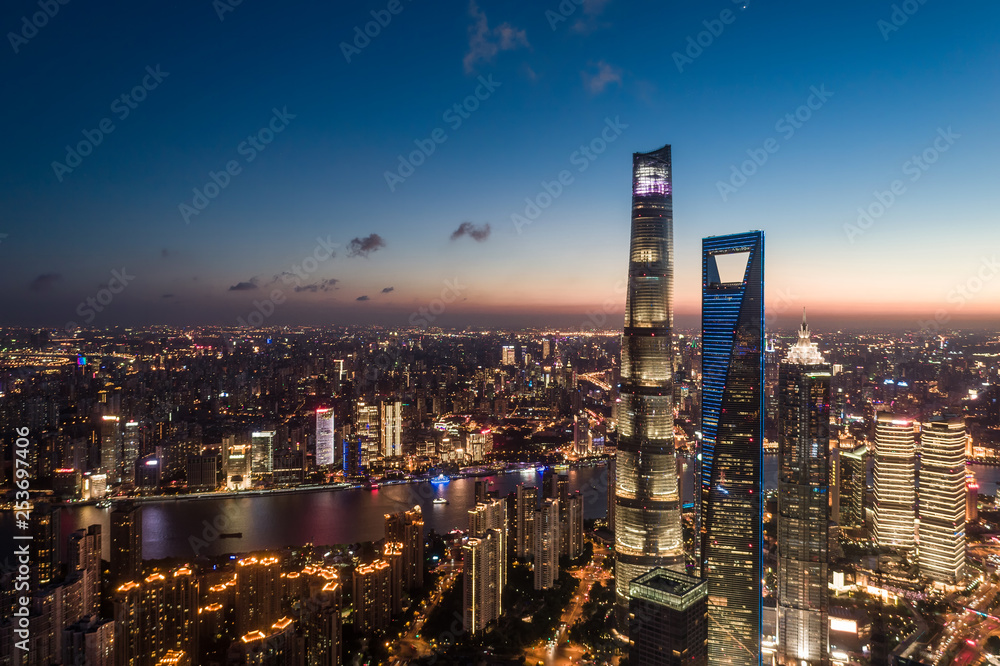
647	512
732	439
803	504
391	428
326	444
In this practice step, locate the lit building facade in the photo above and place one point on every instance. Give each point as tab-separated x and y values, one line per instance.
262	449
126	542
526	504
647	511
732	422
803	504
895	478
942	500
391	423
481	580
546	541
326	444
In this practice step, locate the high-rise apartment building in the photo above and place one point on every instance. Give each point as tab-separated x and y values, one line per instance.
942	500
372	597
155	615
481	579
546	541
895	478
126	542
111	445
407	528
647	513
803	391
526	504
853	479
366	428
732	423
258	593
668	620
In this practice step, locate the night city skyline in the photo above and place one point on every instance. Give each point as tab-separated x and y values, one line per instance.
872	97
373	334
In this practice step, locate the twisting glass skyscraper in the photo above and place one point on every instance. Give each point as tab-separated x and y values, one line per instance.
732	424
647	504
803	503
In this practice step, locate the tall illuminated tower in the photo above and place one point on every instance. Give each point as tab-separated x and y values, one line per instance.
326	448
732	424
895	478
647	511
942	499
803	503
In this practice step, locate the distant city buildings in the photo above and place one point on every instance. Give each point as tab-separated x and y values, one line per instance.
326	445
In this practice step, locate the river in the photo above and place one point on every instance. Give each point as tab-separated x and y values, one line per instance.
348	516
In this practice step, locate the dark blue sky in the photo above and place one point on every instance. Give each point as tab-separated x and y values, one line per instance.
894	93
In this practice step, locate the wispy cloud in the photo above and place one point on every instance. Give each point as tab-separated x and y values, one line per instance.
478	234
322	285
486	42
249	285
44	282
597	81
388	290
362	298
362	247
592	9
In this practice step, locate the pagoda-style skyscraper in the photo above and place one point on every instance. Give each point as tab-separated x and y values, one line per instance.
803	504
647	510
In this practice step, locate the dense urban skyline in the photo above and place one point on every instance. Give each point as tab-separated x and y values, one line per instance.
560	77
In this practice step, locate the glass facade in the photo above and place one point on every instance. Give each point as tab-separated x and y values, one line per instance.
803	505
942	500
895	478
732	448
647	516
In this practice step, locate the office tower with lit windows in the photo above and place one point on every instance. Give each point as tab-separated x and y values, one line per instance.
130	449
895	475
326	442
481	580
732	423
366	428
262	451
126	542
942	500
668	620
853	479
546	539
803	424
526	504
571	527
647	512
391	424
111	445
508	356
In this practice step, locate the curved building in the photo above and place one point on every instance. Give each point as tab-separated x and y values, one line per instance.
647	512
